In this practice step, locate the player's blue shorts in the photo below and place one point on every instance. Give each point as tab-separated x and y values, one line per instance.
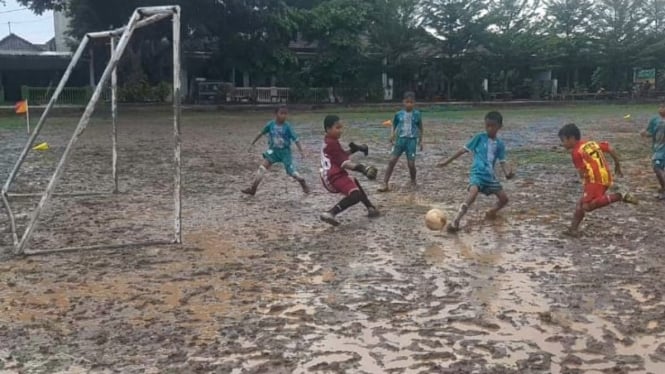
405	145
484	186
277	155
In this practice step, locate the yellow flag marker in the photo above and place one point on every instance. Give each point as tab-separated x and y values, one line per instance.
41	147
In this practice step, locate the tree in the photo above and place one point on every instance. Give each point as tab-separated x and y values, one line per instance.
654	52
619	29
252	34
513	41
654	10
460	27
396	36
568	41
339	29
40	6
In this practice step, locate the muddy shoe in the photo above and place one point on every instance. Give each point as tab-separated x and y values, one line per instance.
372	212
249	191
629	198
327	217
384	188
572	233
453	227
491	215
660	196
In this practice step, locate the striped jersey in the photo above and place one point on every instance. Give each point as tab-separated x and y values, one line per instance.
589	157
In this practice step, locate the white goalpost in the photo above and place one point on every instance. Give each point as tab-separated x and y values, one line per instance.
119	39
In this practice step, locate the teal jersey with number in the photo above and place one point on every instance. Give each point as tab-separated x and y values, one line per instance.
486	152
279	136
408	124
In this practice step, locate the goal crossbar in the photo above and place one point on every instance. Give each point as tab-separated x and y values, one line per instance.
119	38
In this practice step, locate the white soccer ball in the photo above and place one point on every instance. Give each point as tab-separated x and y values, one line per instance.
435	219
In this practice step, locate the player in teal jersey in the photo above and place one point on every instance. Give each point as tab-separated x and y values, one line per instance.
280	135
407	134
656	130
487	149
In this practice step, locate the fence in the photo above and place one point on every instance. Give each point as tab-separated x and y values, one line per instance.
261	95
2	95
69	96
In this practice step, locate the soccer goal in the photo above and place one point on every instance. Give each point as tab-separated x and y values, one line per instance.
119	40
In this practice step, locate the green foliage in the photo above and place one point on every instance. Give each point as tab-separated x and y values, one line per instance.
448	46
461	30
143	92
337	26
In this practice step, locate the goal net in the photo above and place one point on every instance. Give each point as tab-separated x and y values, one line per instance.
119	40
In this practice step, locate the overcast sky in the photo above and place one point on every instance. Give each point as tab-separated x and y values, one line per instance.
24	23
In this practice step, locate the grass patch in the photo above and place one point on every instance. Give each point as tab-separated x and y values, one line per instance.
539	156
13	122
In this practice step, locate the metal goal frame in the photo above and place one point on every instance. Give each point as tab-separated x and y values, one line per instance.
119	39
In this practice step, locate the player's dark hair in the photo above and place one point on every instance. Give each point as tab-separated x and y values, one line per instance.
570	130
494	116
277	109
330	121
409	95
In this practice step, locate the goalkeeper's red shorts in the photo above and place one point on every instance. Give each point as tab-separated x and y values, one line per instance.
344	184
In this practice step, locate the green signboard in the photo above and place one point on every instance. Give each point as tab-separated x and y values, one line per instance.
645	75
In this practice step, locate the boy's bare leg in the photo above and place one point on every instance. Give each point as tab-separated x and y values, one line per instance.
470	198
265	165
389	173
578	216
412	171
582	208
660	175
500	204
303	183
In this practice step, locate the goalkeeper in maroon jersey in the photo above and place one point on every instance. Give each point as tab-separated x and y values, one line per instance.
334	165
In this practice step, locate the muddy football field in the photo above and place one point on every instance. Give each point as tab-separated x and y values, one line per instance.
260	285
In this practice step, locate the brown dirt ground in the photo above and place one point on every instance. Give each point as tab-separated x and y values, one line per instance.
261	285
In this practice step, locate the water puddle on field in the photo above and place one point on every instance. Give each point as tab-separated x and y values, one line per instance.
485	301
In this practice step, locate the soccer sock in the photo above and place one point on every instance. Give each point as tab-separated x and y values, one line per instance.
345	203
259	175
364	198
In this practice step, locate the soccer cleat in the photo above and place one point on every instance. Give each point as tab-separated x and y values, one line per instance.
491	215
372	212
384	188
249	191
305	187
327	217
453	227
629	198
573	233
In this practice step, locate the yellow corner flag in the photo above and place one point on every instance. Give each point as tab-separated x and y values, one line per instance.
21	107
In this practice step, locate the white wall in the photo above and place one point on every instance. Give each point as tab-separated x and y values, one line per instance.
61	25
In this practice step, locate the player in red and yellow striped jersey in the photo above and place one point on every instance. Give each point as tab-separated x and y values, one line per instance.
589	160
